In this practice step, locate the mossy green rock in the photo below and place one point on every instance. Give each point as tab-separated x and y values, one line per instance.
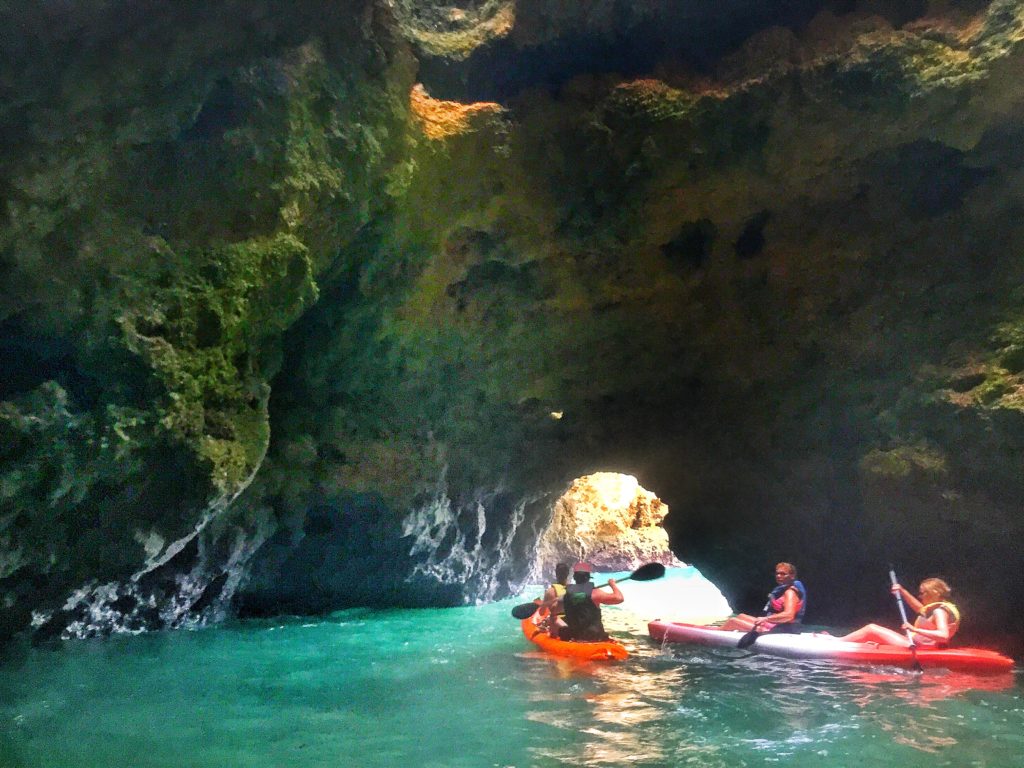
176	180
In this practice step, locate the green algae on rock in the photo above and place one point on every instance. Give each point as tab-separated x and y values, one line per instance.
170	201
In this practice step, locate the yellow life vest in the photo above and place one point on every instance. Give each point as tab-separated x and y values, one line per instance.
928	610
559	595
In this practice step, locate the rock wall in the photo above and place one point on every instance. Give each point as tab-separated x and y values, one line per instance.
175	181
311	276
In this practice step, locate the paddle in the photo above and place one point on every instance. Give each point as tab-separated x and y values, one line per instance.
903	615
647	572
748	639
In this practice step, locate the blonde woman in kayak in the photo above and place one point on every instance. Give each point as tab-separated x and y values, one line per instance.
937	621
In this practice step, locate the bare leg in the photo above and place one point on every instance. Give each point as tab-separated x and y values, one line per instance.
743	621
872	633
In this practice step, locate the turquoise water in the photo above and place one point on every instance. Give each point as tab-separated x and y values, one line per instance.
462	687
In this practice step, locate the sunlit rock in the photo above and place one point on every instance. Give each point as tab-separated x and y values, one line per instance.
610	521
441	119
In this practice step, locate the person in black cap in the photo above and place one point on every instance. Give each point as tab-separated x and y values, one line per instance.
582	603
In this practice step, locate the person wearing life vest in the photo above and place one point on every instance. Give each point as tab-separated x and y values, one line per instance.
582	602
938	619
552	599
785	609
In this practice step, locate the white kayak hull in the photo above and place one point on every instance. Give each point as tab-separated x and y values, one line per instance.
816	645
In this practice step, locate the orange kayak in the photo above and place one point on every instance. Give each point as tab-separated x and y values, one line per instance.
608	650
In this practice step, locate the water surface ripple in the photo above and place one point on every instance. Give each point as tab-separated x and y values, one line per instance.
461	687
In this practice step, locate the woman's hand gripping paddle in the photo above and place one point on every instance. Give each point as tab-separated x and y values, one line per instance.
748	639
903	615
648	572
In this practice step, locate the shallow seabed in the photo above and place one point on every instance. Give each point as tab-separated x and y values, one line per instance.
462	687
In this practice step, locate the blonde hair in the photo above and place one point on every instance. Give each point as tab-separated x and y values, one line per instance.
938	586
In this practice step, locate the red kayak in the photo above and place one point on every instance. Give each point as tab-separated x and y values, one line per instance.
609	650
816	645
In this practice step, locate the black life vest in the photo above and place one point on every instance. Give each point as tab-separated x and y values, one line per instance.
582	616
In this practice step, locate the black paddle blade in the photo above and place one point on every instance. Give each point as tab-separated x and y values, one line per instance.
748	639
648	572
525	610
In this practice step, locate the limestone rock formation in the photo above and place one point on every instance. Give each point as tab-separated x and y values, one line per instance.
608	520
311	279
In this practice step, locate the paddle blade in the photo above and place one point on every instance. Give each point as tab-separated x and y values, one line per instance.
648	572
748	639
525	610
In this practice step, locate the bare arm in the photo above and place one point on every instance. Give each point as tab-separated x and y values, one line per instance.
605	598
912	602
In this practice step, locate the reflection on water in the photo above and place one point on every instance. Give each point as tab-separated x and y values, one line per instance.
922	726
923	687
629	715
614	709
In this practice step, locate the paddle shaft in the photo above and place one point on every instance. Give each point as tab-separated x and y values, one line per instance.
617	581
903	615
903	608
